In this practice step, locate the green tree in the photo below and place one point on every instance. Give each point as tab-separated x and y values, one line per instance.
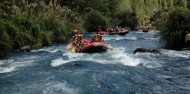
176	28
95	19
5	42
128	19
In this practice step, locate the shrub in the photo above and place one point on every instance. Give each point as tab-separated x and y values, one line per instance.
19	31
127	19
58	28
5	44
95	19
159	19
78	27
176	28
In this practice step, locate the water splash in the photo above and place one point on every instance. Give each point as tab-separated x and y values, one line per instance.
172	53
47	50
7	69
120	38
11	65
126	59
67	57
58	62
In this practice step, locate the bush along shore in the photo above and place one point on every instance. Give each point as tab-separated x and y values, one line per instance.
31	24
26	26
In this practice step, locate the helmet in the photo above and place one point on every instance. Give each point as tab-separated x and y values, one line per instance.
75	30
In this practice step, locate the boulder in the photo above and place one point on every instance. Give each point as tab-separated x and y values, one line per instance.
144	50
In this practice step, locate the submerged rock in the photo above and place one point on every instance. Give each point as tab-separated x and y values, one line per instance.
144	50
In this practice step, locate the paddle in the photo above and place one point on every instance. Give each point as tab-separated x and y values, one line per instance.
70	45
73	50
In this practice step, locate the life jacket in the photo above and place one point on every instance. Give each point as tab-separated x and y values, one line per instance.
80	41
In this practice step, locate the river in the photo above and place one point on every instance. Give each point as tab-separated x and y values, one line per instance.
56	70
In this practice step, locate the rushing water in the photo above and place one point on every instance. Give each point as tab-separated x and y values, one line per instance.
56	70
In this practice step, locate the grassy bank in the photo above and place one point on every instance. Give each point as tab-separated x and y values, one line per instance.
34	25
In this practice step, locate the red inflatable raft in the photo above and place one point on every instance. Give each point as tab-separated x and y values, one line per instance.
119	33
94	47
91	47
102	33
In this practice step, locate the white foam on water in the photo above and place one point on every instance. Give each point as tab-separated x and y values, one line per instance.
152	38
11	65
47	50
71	57
120	38
1	62
58	62
7	69
172	53
63	88
140	31
149	60
116	57
125	59
119	56
151	64
164	76
52	49
131	38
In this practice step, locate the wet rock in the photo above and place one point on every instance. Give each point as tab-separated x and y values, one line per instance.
144	50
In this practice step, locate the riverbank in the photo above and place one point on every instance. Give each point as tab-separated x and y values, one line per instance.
34	25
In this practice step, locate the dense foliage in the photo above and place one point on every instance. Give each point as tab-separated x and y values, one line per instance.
94	19
176	28
37	23
34	24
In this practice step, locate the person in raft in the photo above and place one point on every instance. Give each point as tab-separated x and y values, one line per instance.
110	29
100	38
74	39
97	38
80	41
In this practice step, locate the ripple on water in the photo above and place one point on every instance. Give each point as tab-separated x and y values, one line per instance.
47	50
11	65
120	38
58	62
59	88
67	57
149	60
126	59
172	53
